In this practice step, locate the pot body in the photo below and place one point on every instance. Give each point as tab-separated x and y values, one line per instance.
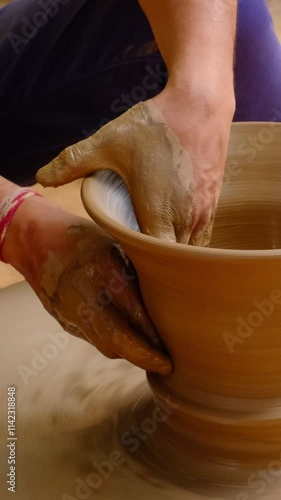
220	322
218	311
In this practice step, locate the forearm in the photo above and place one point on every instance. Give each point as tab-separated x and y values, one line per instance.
6	188
20	240
13	242
195	37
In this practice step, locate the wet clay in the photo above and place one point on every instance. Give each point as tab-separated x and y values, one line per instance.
158	172
89	286
218	311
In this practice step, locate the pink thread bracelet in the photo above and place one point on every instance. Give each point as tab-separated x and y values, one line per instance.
8	208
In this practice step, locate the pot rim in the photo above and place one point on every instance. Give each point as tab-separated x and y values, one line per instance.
143	241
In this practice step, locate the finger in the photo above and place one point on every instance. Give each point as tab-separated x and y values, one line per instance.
108	329
122	282
85	332
158	228
76	161
79	318
202	237
183	233
91	336
115	331
129	302
166	222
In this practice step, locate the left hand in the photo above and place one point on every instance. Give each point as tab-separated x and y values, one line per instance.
85	282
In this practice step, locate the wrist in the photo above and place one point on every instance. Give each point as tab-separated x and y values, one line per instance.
6	188
210	80
198	116
29	235
189	104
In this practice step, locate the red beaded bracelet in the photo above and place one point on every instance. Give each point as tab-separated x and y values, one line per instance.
8	208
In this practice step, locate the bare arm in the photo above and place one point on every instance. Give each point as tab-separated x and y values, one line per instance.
6	189
196	37
192	114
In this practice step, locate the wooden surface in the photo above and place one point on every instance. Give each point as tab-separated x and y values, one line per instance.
69	196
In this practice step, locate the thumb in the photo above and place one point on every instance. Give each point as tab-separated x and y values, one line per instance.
158	222
76	161
202	237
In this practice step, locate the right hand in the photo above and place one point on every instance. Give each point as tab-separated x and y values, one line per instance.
170	152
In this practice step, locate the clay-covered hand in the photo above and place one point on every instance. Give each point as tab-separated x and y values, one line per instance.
84	280
173	169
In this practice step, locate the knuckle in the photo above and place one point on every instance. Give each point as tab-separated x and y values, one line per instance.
68	157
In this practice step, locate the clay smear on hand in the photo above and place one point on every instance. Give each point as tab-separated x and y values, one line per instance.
156	168
92	290
159	177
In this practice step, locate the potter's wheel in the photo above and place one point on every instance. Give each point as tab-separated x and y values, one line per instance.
70	412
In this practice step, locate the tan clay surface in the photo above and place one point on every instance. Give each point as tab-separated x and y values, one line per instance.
218	311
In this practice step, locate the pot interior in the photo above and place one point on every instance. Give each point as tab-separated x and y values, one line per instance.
252	225
248	216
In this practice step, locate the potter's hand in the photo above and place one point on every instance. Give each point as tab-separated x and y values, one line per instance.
84	280
173	168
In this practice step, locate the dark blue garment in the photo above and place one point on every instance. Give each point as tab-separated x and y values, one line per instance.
258	64
69	66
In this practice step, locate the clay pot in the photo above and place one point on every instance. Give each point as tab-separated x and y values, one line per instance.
218	311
